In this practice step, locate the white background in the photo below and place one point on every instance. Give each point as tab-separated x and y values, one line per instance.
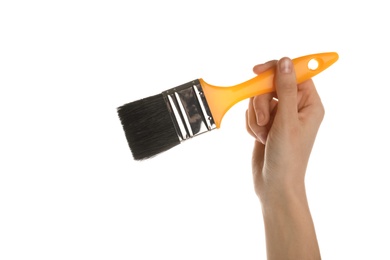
69	188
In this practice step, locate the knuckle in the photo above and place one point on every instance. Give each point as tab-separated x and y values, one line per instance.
319	112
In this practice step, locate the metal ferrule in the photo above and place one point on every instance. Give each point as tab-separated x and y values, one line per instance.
189	110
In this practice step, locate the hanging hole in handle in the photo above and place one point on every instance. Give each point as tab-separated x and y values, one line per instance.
313	64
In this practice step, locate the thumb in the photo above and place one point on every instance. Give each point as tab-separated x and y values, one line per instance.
286	89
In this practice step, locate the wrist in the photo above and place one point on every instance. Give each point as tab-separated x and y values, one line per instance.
288	224
284	195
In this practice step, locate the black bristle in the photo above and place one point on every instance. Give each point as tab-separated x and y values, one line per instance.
148	127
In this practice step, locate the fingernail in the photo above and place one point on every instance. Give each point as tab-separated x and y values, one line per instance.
285	66
262	138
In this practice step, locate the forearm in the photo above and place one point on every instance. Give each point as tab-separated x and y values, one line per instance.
289	228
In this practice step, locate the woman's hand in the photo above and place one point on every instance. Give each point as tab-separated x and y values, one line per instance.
284	125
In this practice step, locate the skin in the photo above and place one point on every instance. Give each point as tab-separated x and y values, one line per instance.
284	125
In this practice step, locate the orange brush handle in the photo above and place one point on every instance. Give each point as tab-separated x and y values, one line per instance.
221	99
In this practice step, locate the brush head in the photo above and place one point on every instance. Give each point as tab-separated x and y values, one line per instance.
148	127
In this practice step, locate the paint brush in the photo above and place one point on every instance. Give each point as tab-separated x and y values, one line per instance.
157	123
